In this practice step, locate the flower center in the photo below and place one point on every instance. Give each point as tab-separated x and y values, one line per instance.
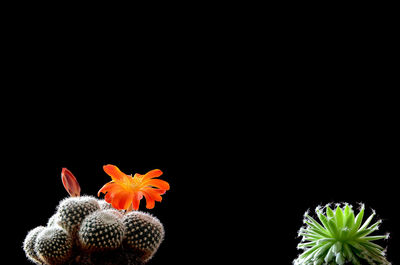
133	183
137	180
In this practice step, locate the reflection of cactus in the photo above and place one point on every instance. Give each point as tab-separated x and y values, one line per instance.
340	238
82	233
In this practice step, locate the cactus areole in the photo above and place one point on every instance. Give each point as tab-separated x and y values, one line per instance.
86	230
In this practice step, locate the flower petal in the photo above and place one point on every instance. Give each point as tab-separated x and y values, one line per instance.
155	194
150	202
152	174
136	200
114	172
122	200
110	186
157	183
109	197
137	175
159	191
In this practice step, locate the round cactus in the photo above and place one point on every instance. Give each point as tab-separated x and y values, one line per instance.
53	245
143	233
71	212
101	230
29	244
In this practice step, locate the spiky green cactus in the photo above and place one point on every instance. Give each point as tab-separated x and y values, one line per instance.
101	230
53	245
143	233
340	238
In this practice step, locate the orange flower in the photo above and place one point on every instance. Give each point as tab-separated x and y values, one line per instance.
125	191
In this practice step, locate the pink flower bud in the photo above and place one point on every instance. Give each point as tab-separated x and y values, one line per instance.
70	183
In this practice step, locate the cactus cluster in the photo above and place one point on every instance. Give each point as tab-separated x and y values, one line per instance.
85	230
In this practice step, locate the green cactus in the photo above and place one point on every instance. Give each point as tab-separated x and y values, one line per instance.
53	245
143	233
29	244
101	230
340	238
71	211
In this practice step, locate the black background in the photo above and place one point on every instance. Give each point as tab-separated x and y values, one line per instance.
239	187
251	125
